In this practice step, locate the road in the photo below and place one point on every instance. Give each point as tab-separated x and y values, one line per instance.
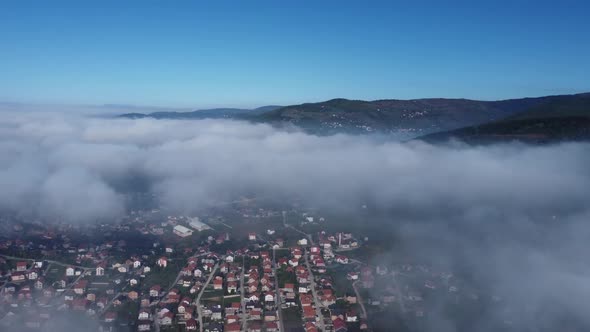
198	301
277	291
315	295
359	300
242	290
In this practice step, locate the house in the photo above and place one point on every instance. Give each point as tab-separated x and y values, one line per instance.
186	271
297	253
352	276
21	266
253	297
256	314
147	269
145	302
162	262
339	325
233	327
182	308
191	325
133	295
155	290
270	316
143	326
271	327
167	319
351	316
302	242
144	314
80	287
38	283
269	297
100	269
198	273
18	276
216	313
70	271
289	288
233	309
110	316
133	281
232	287
218	283
341	259
252	236
195	289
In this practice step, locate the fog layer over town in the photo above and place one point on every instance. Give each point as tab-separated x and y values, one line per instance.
516	216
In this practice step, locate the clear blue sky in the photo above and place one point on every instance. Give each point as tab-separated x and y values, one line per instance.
250	53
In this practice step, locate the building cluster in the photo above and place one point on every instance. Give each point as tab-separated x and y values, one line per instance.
162	285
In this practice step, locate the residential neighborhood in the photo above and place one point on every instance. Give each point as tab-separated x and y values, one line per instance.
262	275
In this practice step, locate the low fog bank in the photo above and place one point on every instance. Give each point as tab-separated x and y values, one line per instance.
55	165
514	216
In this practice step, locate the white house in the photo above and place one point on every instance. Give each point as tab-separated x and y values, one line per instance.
32	275
198	273
162	262
269	297
144	314
302	242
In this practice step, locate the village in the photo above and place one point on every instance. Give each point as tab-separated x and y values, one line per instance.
207	277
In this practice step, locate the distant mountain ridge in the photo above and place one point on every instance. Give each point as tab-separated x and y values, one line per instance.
411	117
404	118
213	113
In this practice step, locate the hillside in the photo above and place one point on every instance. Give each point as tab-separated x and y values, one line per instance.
403	118
560	119
409	117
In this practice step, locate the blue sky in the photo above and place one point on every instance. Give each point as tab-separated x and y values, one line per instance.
251	53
